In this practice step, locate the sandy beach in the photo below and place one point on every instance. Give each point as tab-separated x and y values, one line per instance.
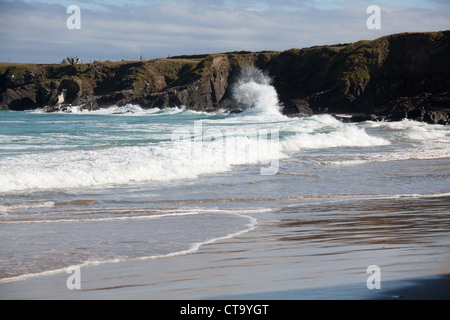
252	266
346	199
210	151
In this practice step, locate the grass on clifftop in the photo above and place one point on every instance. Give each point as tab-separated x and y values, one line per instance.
99	77
306	71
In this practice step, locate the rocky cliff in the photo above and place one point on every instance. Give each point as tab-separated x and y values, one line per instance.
393	77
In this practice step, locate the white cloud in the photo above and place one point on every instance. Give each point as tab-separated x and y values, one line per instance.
31	32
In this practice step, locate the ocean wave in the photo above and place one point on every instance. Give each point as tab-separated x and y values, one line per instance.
128	109
182	159
185	154
347	136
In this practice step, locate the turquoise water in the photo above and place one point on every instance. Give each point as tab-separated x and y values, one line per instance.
86	188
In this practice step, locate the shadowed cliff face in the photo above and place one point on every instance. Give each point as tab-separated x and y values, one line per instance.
398	76
206	87
393	77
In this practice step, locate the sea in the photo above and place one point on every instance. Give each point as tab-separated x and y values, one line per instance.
85	188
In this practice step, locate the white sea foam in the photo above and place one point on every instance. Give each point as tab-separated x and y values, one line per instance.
412	140
182	159
8	207
190	153
436	151
77	220
416	130
428	133
194	247
255	91
395	196
249	138
347	136
128	109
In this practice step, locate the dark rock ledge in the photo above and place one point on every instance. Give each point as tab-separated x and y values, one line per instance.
401	76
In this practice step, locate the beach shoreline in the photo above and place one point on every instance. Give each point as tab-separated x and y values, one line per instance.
215	273
114	287
340	203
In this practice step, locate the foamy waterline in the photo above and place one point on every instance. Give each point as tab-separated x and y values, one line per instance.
348	136
125	165
7	207
150	217
148	151
192	249
251	225
192	152
128	109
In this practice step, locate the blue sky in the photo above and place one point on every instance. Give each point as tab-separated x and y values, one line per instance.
35	31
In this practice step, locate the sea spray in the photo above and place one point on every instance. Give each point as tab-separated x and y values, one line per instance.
254	90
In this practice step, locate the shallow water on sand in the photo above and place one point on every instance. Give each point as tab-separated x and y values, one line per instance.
89	189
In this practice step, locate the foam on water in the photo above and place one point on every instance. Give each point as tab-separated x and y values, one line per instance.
46	227
416	130
255	91
128	109
149	243
181	159
8	207
213	150
348	136
80	161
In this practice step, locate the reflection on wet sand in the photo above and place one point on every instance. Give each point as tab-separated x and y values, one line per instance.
402	221
309	249
324	244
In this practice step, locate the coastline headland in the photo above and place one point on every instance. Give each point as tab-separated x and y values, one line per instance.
394	77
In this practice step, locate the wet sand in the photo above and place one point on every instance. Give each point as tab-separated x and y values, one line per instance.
188	278
287	257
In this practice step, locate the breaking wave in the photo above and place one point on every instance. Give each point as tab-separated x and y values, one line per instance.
255	91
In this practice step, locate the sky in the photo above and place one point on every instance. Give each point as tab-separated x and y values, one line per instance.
35	31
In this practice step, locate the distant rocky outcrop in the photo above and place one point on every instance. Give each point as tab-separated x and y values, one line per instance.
394	77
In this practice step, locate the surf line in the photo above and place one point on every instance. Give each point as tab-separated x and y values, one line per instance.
194	248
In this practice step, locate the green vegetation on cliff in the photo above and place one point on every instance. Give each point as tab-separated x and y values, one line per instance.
356	77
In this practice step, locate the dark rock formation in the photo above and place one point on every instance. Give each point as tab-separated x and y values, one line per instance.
207	93
44	94
297	108
21	98
390	78
394	77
